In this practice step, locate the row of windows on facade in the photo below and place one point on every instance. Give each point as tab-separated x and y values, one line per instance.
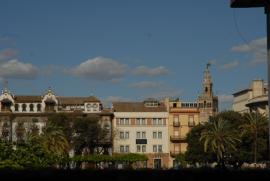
141	121
141	135
140	148
193	105
177	122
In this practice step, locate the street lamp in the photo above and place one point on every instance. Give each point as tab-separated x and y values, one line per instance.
266	5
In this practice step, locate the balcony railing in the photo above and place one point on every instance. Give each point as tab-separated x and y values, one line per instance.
174	153
176	123
177	138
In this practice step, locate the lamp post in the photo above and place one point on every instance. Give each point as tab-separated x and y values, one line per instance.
266	5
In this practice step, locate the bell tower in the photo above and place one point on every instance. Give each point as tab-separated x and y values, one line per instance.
208	103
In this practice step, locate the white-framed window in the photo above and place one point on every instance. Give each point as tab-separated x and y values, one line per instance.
127	149
154	121
159	135
126	135
154	135
124	121
138	135
138	148
159	121
144	135
154	148
122	136
160	148
143	148
143	122
122	149
140	121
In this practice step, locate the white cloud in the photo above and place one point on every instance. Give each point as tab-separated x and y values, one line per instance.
225	98
146	71
8	54
146	85
100	68
255	48
229	65
17	70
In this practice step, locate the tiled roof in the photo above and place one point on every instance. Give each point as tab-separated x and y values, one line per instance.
27	99
76	100
137	107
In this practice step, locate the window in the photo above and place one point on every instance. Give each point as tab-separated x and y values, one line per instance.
143	148
140	121
138	148
154	135
24	107
127	149
154	148
159	121
143	134
31	107
122	121
122	135
16	107
160	135
160	148
39	107
127	135
122	149
143	121
154	121
138	135
174	105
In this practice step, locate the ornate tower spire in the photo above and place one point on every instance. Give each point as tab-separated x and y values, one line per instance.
207	82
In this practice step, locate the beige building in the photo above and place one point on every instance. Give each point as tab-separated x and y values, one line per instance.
252	99
142	127
183	116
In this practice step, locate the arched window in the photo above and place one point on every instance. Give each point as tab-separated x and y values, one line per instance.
206	89
31	107
39	107
16	107
24	107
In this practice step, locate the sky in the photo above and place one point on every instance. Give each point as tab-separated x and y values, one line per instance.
130	50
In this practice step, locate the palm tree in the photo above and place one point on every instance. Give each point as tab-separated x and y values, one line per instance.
54	141
219	138
254	123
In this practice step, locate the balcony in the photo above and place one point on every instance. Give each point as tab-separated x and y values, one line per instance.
174	153
177	138
176	123
141	141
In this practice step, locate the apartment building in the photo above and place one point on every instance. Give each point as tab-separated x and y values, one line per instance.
142	127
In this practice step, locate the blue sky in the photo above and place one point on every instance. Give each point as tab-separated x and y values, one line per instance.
130	50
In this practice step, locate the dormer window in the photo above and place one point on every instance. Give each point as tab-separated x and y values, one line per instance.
151	103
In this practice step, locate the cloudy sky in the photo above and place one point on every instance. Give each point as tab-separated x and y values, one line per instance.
130	50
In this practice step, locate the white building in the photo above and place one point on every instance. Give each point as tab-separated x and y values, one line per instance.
142	127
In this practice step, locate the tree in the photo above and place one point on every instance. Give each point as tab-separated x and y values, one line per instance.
219	138
253	125
195	150
88	135
54	141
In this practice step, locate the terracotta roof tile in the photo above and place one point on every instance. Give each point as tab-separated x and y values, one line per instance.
136	107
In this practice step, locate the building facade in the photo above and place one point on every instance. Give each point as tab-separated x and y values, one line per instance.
142	127
20	113
252	99
183	116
